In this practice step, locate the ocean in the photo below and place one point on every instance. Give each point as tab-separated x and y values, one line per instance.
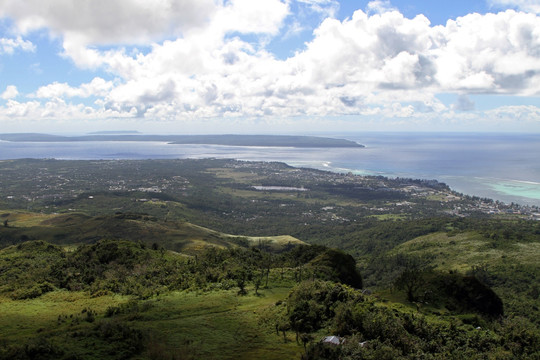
504	167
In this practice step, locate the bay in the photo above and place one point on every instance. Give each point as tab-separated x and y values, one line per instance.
503	167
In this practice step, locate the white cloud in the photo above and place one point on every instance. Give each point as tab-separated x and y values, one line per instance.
8	46
294	29
109	22
489	53
102	22
520	114
55	109
525	5
350	67
97	87
15	109
379	7
393	115
11	92
250	17
328	8
375	63
307	16
83	26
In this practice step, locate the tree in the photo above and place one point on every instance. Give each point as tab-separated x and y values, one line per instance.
283	326
410	280
257	281
412	277
306	338
241	276
266	265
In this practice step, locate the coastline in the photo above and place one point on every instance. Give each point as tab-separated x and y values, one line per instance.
474	170
294	141
504	190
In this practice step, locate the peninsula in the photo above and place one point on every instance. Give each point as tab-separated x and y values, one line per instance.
228	140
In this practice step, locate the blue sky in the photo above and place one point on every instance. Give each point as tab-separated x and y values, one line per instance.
269	66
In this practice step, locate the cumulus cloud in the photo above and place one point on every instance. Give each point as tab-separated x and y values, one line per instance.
250	17
8	46
379	7
57	110
378	62
85	26
109	22
490	53
328	8
15	109
102	22
97	87
11	92
524	114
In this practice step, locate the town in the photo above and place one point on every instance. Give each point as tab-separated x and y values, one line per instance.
56	186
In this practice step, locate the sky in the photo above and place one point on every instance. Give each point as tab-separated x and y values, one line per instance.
269	66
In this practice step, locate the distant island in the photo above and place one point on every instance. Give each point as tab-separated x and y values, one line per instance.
228	140
116	132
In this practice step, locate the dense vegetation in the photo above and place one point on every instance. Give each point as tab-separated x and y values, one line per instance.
33	268
117	259
111	268
367	330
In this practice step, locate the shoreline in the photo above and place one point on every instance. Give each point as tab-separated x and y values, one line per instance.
483	187
360	161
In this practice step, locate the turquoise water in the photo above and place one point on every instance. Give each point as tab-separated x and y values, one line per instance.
498	166
518	188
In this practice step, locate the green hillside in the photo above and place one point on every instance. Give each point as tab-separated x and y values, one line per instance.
223	259
510	267
121	299
78	228
237	297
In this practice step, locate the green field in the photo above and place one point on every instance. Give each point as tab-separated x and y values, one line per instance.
217	325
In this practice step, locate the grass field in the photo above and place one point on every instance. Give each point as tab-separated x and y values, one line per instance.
510	267
465	250
220	325
210	325
78	228
24	319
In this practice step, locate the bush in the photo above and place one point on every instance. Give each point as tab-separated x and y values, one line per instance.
33	292
39	348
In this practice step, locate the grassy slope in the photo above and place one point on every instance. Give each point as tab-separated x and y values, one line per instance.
217	325
220	325
465	250
76	228
511	268
28	318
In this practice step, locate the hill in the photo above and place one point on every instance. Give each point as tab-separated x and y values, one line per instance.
119	299
78	228
509	266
